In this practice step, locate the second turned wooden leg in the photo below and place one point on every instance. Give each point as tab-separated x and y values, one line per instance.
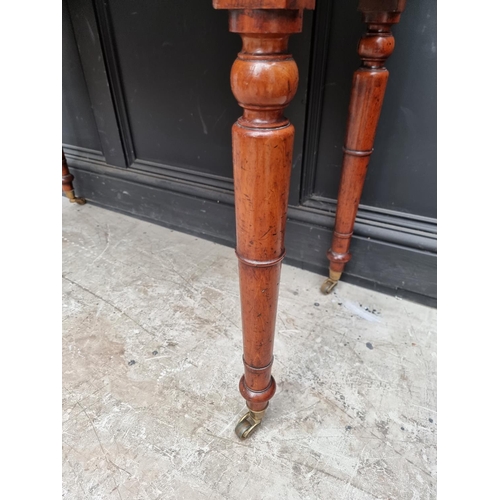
264	79
67	183
367	95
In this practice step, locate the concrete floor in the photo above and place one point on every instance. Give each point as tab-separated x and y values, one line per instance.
152	360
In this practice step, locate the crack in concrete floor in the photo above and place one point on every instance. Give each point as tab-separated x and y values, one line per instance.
152	360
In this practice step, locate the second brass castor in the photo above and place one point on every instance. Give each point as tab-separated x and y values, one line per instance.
248	423
75	199
328	285
79	201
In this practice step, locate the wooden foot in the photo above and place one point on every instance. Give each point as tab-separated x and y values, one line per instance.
367	95
264	80
67	183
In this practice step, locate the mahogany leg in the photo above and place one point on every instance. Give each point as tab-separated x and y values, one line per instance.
367	95
264	80
67	183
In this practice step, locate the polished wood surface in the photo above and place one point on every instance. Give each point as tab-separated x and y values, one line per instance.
67	183
264	4
264	80
367	95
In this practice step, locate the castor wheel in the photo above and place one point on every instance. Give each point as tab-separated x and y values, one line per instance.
245	427
75	199
248	423
328	285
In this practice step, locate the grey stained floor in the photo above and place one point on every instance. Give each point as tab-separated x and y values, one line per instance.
152	360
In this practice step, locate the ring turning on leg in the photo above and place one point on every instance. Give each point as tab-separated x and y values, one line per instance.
264	80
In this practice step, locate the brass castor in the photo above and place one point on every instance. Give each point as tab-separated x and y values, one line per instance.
331	282
328	285
248	423
74	199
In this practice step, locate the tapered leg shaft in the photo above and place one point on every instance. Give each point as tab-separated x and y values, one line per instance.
262	166
67	183
264	79
367	95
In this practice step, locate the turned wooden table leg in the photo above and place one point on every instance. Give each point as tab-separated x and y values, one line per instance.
264	79
367	95
67	183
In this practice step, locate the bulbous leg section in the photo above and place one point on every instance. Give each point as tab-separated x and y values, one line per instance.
264	80
367	96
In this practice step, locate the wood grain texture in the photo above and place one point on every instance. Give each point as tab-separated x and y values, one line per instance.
367	95
264	80
264	4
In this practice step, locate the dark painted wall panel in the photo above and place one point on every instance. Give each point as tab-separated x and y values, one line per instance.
78	123
174	59
155	76
402	172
